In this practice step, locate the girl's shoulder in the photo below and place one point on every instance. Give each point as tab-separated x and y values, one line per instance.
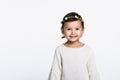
59	46
87	49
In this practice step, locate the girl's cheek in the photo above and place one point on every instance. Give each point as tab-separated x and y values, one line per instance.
68	32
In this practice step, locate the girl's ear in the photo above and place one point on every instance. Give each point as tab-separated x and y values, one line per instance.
82	31
62	31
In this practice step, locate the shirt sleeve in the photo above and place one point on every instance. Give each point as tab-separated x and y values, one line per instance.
55	72
92	70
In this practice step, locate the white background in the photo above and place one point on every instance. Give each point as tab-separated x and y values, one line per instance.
30	32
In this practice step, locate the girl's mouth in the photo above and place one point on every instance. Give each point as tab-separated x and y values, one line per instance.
73	36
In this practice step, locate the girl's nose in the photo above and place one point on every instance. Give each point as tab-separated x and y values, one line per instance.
73	31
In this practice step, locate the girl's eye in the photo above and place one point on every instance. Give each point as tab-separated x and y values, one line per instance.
77	29
69	29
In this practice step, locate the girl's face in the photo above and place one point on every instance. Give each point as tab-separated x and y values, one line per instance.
72	30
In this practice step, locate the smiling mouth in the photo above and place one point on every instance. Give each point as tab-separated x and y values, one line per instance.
72	36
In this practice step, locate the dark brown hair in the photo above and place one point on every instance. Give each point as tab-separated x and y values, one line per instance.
72	16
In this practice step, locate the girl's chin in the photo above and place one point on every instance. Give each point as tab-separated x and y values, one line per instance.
72	41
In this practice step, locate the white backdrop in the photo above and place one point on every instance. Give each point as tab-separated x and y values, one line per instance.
30	32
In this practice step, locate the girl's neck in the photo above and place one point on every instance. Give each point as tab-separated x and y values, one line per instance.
74	44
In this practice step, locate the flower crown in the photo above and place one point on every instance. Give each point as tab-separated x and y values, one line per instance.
65	19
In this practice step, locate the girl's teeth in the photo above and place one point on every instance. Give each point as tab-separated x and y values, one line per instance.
72	36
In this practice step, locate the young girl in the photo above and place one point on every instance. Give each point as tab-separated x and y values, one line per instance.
73	60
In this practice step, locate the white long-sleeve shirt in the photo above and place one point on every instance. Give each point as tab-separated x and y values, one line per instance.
73	64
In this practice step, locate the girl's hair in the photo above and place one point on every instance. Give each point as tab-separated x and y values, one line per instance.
72	16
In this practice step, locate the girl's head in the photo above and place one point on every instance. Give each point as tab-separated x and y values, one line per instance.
72	26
